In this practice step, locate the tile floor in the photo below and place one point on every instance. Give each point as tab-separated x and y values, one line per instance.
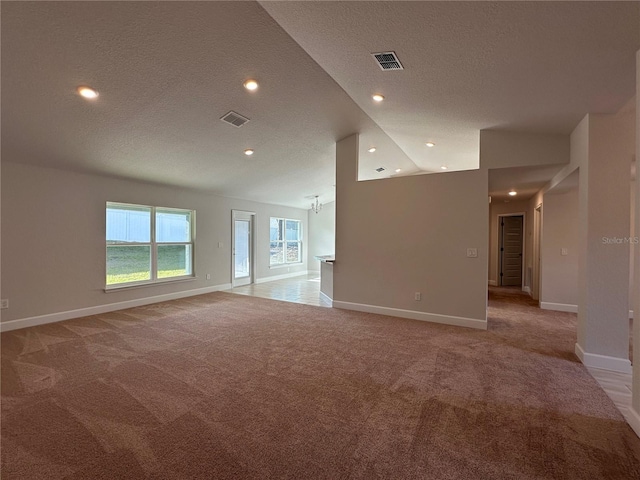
618	387
300	289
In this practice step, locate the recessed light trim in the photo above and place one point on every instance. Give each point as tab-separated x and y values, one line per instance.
251	85
513	193
430	144
377	97
87	92
371	150
398	170
444	167
248	152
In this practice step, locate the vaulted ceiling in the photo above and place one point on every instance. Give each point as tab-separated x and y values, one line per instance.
167	71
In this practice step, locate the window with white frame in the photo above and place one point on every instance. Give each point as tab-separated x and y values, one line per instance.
285	237
148	244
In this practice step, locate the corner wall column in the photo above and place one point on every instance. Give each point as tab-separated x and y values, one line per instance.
604	218
635	402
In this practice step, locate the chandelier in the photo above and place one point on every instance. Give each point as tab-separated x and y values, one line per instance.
316	207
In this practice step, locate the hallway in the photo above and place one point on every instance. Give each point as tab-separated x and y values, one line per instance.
509	306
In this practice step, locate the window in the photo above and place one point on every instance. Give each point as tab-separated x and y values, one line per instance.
286	241
148	244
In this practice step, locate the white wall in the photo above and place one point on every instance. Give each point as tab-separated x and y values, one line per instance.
560	272
322	234
53	245
636	293
603	307
633	232
402	235
499	207
499	149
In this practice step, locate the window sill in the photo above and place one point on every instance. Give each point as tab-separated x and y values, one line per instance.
283	265
130	286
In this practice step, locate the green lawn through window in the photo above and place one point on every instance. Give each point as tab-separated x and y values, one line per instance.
132	263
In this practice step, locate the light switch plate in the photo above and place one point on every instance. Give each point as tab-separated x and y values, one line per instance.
472	252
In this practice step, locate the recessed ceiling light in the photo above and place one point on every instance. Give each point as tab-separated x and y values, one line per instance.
398	170
430	144
513	193
251	85
248	151
371	150
377	97
444	167
87	92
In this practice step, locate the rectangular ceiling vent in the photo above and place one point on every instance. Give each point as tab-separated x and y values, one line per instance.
234	119
380	169
388	61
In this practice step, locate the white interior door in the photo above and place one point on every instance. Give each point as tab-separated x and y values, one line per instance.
242	251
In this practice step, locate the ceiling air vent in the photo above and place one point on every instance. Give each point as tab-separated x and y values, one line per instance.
380	169
388	61
234	119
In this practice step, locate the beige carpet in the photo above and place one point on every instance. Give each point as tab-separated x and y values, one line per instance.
225	386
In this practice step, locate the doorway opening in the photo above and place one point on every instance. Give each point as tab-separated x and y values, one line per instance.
511	249
242	264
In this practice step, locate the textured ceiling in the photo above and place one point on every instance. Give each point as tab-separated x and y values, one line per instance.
527	66
167	71
527	181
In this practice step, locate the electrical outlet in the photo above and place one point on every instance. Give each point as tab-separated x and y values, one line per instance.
4	303
208	276
418	296
564	251
472	252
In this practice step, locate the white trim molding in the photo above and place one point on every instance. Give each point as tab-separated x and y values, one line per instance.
559	307
566	307
493	283
326	298
633	419
281	277
109	307
526	289
412	314
604	362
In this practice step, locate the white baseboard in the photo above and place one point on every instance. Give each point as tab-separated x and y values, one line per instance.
566	307
326	298
281	277
559	307
109	307
603	362
426	317
526	290
633	419
493	283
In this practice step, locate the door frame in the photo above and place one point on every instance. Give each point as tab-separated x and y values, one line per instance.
536	274
251	217
524	244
